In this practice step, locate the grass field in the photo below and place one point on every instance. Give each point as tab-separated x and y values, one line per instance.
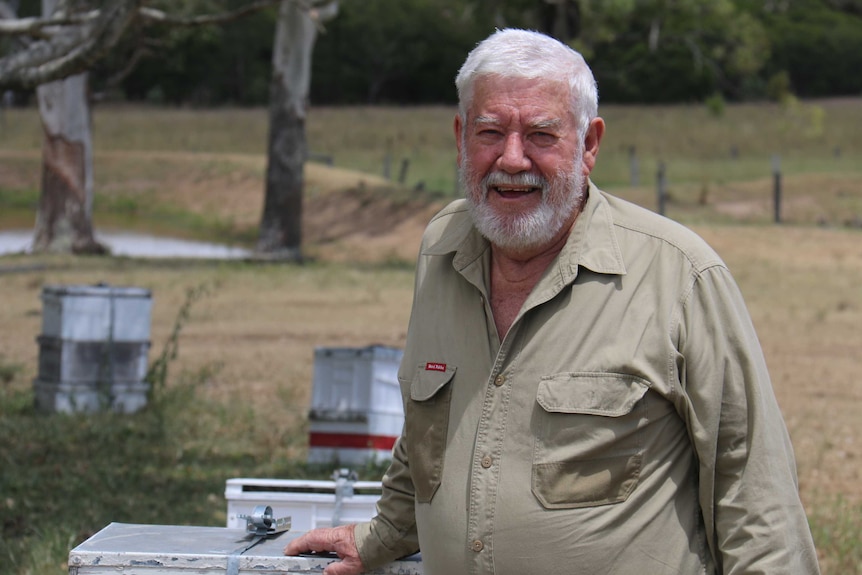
234	400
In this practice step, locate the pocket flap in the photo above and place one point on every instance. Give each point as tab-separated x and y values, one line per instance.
608	394
426	383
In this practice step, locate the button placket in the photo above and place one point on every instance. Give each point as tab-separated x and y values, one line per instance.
482	508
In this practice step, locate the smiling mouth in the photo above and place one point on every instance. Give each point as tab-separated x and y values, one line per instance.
514	192
514	186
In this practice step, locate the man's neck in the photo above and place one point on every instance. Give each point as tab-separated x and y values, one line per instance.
514	274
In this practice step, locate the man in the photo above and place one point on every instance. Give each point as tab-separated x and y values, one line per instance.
584	391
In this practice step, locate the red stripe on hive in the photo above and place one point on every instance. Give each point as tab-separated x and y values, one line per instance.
352	440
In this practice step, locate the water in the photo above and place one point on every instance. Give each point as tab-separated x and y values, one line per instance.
134	245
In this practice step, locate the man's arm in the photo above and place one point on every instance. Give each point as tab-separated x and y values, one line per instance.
748	486
387	537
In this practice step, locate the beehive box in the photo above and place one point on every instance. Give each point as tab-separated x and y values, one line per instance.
309	503
66	397
134	549
73	361
93	348
356	408
96	313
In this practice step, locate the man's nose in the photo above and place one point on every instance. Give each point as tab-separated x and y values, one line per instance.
513	159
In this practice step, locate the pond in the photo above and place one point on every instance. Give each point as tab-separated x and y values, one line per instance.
134	245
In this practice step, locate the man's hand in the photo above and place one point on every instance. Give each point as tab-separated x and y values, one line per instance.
339	540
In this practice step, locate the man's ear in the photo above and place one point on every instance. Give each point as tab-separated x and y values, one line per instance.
458	127
592	141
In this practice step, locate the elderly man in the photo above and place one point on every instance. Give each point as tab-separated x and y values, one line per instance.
584	391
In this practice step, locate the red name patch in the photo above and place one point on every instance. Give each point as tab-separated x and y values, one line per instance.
432	366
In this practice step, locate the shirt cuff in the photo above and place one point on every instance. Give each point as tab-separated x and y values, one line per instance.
379	542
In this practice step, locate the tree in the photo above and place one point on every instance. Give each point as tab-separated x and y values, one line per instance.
663	50
64	218
67	40
281	224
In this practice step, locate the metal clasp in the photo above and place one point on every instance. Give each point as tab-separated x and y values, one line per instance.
261	522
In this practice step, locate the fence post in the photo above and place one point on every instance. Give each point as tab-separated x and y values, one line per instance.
387	159
387	162
633	167
661	186
402	175
776	186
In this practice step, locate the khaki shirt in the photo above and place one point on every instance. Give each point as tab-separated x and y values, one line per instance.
625	425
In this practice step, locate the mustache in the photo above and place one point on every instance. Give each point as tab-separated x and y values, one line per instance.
522	179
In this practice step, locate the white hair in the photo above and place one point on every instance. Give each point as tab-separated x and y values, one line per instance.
512	53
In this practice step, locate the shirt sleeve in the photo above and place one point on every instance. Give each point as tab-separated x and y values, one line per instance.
392	533
748	487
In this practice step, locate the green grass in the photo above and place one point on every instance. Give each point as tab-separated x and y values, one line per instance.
65	476
837	528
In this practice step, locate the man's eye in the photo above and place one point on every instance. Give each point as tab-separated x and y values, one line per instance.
543	138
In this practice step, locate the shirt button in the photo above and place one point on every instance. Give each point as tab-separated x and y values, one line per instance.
499	380
487	461
477	546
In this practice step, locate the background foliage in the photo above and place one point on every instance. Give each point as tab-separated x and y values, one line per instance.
408	51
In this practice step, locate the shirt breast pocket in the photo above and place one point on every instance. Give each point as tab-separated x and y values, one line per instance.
427	423
588	448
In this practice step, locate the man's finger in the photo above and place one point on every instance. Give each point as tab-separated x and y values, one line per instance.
347	566
303	544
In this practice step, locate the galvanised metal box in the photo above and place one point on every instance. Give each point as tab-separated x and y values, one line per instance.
133	549
93	348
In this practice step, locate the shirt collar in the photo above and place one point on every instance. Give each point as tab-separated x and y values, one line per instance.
592	244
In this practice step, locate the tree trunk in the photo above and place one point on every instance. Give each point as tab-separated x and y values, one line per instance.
63	222
281	224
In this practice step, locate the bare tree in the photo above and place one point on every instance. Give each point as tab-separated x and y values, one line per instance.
281	224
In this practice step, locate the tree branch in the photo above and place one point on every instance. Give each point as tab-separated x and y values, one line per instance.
70	43
35	27
151	15
72	52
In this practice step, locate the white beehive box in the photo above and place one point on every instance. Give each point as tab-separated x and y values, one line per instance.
181	550
65	397
96	313
93	350
309	503
75	361
356	410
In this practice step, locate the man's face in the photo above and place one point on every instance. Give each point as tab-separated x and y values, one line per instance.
521	161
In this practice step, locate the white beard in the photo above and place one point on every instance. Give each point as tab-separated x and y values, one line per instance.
561	196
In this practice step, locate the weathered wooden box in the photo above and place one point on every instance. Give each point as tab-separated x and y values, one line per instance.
133	549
